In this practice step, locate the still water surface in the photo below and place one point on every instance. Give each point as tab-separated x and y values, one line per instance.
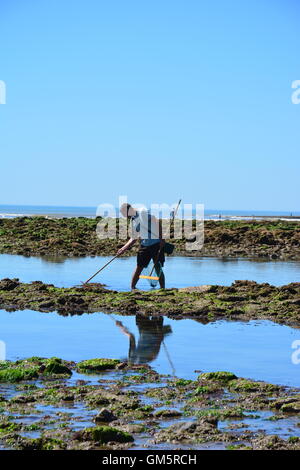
257	349
180	271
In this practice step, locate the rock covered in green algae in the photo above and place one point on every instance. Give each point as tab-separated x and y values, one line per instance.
222	414
244	385
55	366
15	374
244	300
288	404
219	376
203	430
7	426
32	368
77	237
291	407
167	414
105	416
40	443
273	443
8	284
236	384
96	365
103	435
203	402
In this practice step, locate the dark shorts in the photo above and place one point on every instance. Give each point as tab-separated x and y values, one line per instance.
146	253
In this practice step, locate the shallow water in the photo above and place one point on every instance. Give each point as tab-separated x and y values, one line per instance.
259	350
263	420
180	271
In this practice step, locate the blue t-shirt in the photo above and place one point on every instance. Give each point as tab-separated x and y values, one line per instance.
144	228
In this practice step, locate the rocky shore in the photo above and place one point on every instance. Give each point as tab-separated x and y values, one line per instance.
243	300
40	236
53	404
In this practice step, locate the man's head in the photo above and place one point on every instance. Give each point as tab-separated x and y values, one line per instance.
127	210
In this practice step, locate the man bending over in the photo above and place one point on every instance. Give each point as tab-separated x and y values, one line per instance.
147	229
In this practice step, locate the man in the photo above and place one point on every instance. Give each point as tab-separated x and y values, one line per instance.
146	228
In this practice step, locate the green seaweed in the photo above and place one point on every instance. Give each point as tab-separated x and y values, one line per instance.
96	365
104	434
220	376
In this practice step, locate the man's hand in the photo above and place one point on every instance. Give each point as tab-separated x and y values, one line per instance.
124	329
121	250
162	243
127	246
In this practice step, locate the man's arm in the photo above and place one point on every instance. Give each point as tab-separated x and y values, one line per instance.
127	333
127	246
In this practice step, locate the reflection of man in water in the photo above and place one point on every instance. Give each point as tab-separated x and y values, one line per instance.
151	335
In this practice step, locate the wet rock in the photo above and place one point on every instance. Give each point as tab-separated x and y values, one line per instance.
32	368
81	382
244	283
48	305
288	405
55	366
121	365
41	443
245	299
231	298
184	427
94	365
220	376
167	414
96	398
77	237
105	416
40	286
291	407
133	428
16	374
243	385
204	288
9	284
213	397
275	443
70	299
23	399
103	435
203	429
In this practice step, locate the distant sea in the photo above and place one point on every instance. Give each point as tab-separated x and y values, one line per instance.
12	211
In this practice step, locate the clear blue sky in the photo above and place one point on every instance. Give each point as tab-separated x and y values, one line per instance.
155	100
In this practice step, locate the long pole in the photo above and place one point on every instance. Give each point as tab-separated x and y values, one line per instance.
174	215
118	255
100	270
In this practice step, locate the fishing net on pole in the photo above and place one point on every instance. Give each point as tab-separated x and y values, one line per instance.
151	273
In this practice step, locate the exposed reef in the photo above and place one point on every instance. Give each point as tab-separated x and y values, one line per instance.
126	406
40	236
243	300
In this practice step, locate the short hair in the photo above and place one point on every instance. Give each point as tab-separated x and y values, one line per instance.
125	208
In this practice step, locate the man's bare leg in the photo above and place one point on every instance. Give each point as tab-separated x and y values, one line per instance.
162	281
160	274
135	276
